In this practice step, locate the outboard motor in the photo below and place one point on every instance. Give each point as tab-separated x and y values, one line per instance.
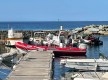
61	45
31	42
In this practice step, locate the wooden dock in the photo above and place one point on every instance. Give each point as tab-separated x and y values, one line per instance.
36	65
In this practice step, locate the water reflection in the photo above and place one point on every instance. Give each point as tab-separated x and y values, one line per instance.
57	69
7	64
93	51
4	73
104	48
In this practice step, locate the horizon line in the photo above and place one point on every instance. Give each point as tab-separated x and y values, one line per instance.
54	21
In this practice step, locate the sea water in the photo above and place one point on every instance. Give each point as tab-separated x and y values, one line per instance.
48	25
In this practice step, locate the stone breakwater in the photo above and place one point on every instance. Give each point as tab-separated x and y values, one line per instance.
25	33
99	29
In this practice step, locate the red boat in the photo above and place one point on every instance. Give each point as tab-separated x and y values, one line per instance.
67	51
73	51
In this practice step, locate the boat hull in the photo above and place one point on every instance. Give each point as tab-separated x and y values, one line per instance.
58	53
10	42
25	46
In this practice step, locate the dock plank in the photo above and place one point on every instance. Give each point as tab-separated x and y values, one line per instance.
31	71
34	64
29	78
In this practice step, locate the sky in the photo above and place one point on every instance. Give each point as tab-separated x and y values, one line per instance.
53	10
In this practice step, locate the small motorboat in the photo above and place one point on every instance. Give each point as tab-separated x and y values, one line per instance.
92	40
58	51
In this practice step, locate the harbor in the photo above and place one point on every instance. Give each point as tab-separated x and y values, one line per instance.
40	63
53	40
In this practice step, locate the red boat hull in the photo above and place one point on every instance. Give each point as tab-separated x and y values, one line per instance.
25	46
28	47
69	52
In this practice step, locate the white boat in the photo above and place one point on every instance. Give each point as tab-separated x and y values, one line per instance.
13	37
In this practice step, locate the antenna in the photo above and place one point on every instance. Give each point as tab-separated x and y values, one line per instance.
58	20
8	26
